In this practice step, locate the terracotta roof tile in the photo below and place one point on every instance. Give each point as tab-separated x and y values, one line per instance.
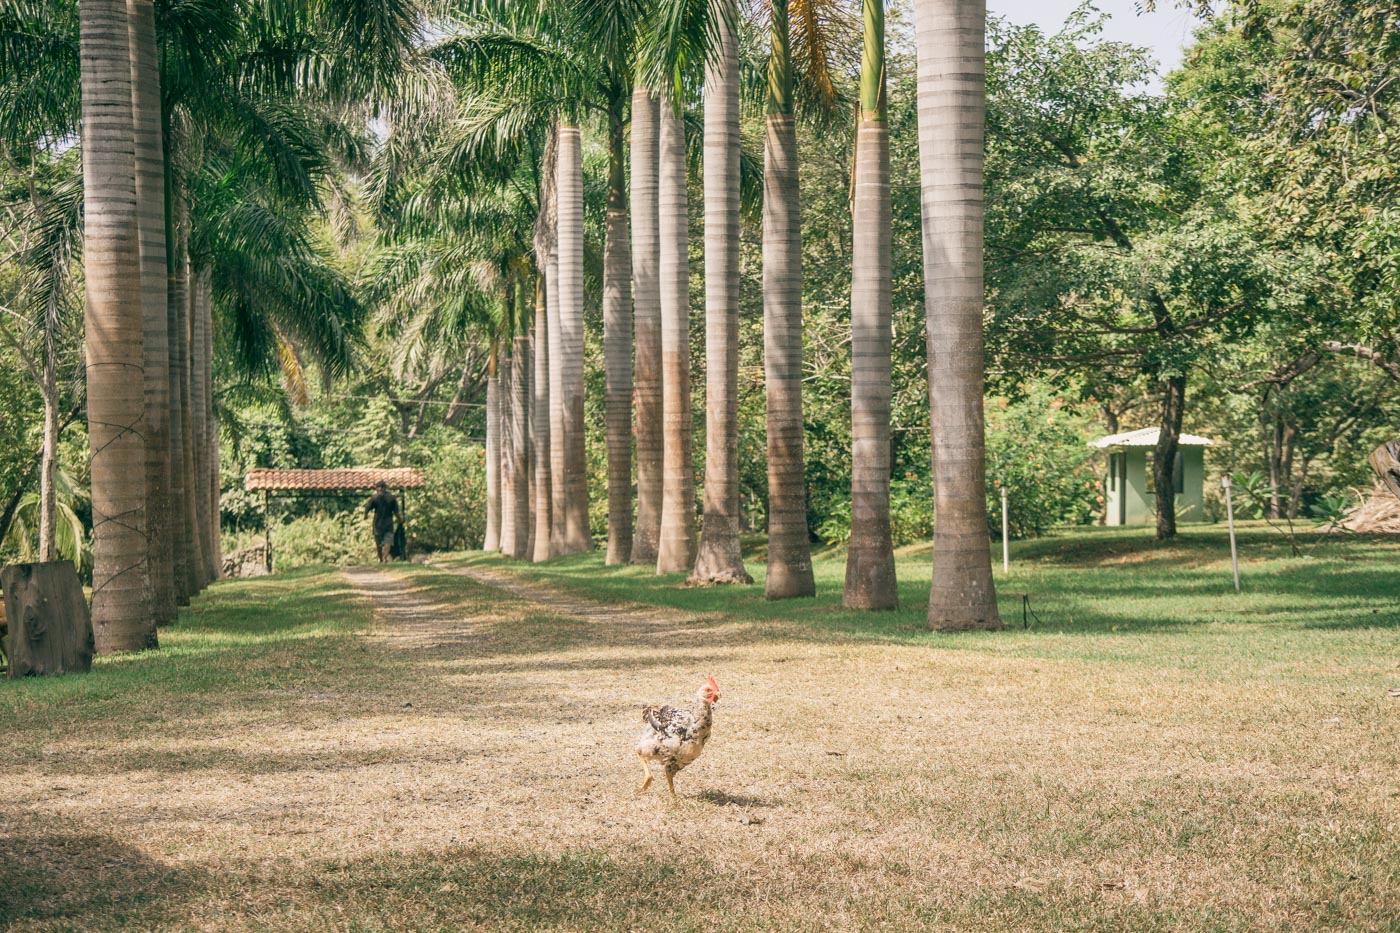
317	480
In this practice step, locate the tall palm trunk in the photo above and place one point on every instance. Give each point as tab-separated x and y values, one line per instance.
177	308
569	180
870	574
952	117
646	302
542	550
789	555
182	465
199	389
617	343
211	432
121	597
719	559
676	548
48	458
150	213
530	420
508	440
493	450
520	440
558	494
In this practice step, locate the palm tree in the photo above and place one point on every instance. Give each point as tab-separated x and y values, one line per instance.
542	545
676	549
789	570
569	180
952	116
520	432
150	194
493	450
870	573
719	559
646	302
617	340
121	598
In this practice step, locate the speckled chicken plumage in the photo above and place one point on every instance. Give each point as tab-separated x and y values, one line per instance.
674	736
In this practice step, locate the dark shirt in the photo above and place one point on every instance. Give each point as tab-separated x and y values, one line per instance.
385	507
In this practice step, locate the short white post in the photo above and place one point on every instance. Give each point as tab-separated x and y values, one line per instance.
1230	517
1005	535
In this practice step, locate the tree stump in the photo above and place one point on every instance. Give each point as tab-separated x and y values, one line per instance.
1385	460
50	628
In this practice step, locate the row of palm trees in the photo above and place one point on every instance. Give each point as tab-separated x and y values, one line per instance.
212	133
551	64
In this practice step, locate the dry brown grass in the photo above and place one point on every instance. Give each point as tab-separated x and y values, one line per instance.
466	763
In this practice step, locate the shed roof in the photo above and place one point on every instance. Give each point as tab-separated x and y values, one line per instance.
333	480
1147	437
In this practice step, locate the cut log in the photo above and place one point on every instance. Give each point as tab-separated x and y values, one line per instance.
1385	460
50	628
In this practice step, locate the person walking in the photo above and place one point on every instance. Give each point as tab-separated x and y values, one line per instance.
385	508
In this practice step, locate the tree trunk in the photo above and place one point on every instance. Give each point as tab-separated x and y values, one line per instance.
150	213
493	450
952	118
646	302
530	420
177	323
542	550
1164	456
676	548
870	573
199	349
121	594
558	493
48	457
789	556
50	629
719	559
617	344
508	439
577	536
520	441
212	525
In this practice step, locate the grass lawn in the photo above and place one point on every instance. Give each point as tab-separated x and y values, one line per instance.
416	750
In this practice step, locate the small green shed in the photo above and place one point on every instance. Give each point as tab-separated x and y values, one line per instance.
1130	496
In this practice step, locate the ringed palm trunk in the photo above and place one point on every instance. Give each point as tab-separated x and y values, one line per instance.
676	547
646	302
150	210
508	467
176	316
870	573
199	381
719	559
48	460
493	450
542	550
558	494
952	115
121	599
617	344
569	180
789	555
520	445
211	435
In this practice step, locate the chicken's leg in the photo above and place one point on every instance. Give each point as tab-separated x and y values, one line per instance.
646	769
671	781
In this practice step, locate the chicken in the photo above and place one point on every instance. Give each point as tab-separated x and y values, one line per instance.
676	737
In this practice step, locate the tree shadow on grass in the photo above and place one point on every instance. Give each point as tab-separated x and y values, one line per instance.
81	879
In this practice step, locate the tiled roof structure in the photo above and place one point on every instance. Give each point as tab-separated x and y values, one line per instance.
1147	437
332	480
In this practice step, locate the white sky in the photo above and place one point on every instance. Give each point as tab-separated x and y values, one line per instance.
1166	32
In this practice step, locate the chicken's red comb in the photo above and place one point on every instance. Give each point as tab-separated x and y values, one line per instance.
711	682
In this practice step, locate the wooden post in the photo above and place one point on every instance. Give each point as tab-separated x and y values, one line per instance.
1230	517
267	531
1005	535
50	629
